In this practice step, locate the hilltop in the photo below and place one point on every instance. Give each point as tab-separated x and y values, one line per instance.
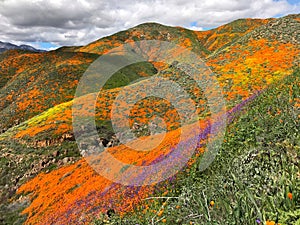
42	171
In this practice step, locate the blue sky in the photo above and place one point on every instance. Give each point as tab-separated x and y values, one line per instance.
44	45
193	26
294	1
49	24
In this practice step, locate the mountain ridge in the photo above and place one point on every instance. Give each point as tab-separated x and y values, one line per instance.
37	90
5	46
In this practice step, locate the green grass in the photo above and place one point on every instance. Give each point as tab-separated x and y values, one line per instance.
19	161
129	74
257	166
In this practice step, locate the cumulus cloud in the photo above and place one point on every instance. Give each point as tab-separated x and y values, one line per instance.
78	22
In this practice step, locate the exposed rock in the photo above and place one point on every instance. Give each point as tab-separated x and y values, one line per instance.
104	142
55	154
65	160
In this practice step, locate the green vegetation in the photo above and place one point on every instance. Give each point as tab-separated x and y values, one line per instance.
18	163
129	74
254	177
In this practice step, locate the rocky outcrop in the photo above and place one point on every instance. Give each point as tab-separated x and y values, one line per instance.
285	30
50	142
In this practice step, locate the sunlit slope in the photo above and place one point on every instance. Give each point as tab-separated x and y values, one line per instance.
38	81
148	31
34	82
202	42
83	191
57	121
54	75
37	90
218	38
264	55
245	67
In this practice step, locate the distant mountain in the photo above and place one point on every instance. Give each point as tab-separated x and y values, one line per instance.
4	46
39	155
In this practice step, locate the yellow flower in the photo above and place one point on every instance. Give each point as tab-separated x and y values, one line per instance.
212	203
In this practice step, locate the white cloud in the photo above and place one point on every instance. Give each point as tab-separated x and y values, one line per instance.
78	22
196	28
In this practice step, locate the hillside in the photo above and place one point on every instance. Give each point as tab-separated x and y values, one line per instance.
44	176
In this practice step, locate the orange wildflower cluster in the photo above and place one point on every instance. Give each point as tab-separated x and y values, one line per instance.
217	38
78	188
247	69
36	82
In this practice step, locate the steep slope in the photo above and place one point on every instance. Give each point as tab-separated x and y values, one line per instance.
36	100
29	76
220	37
243	68
57	121
202	42
262	56
97	194
14	103
54	75
254	179
148	31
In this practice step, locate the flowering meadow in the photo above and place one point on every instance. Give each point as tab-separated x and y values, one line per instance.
254	178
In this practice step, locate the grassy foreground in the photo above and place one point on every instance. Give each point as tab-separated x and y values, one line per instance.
255	178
